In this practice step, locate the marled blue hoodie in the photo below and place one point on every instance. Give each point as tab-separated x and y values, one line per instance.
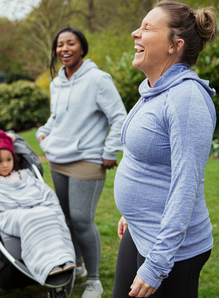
159	182
82	110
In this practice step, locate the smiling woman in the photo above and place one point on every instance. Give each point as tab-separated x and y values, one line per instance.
165	231
154	50
79	145
69	52
70	47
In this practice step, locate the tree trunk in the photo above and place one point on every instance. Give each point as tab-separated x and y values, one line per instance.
91	16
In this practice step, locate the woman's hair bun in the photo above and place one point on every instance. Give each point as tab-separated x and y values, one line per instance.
206	23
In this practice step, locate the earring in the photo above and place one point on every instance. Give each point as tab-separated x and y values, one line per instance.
171	51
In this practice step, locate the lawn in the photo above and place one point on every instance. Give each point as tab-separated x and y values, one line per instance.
107	217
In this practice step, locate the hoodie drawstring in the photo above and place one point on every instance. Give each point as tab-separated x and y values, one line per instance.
72	82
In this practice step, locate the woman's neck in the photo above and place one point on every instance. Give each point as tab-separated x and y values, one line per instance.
69	71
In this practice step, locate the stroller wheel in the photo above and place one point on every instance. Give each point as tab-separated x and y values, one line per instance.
56	293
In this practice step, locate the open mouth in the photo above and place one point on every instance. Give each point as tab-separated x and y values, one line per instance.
66	56
139	49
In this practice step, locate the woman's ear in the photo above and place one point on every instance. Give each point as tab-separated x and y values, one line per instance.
177	47
179	44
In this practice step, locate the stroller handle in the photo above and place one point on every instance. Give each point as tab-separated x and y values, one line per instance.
37	172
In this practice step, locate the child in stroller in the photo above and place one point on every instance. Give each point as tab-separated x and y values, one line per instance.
30	210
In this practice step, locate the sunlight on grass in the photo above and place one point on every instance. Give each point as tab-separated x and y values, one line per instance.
107	217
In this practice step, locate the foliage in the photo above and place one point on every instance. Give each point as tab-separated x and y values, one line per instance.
126	78
215	148
108	43
43	81
215	144
9	46
26	44
16	76
2	77
23	105
207	68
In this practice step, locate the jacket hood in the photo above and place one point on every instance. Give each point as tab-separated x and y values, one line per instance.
86	65
62	81
175	75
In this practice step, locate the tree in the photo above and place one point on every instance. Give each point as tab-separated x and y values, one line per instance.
9	43
38	31
92	16
107	25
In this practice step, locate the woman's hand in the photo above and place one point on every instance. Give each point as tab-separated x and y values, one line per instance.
109	164
139	288
122	226
42	137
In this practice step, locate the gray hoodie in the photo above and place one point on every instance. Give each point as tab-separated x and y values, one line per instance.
82	111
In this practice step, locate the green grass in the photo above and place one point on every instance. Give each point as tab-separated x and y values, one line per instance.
30	138
209	286
107	217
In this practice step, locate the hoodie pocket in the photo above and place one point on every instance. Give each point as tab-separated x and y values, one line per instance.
57	146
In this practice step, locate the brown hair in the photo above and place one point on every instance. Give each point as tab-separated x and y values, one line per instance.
16	162
194	27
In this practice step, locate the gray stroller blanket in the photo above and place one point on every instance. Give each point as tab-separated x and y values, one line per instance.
30	209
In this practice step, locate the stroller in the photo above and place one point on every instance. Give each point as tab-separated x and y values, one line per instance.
13	272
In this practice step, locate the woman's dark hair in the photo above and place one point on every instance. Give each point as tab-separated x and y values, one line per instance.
194	27
81	38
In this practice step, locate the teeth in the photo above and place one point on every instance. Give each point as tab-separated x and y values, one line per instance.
66	56
139	48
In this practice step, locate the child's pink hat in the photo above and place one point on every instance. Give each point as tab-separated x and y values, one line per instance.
6	142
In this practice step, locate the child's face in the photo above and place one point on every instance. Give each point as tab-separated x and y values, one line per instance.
6	162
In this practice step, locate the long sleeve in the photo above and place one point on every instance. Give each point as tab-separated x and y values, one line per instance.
47	127
112	106
190	128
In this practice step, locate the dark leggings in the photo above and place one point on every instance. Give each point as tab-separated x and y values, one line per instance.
182	281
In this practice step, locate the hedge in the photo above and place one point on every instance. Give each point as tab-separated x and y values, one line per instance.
23	105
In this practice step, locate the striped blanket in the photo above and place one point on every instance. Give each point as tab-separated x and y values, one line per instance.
29	209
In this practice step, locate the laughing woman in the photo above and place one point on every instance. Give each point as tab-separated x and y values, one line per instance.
167	136
79	145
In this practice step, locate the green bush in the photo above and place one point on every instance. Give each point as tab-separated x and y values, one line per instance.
23	106
43	81
2	77
126	78
215	148
207	68
16	76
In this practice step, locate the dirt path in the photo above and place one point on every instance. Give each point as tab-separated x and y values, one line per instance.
42	158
